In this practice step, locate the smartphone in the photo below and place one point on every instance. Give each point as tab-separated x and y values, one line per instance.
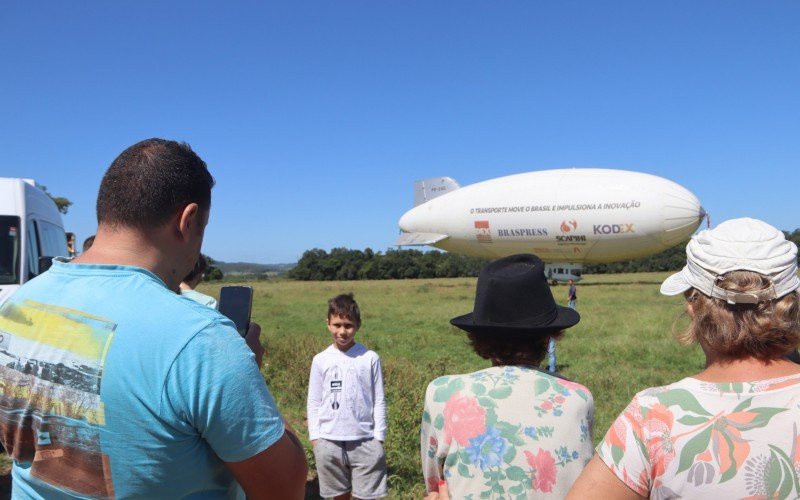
236	302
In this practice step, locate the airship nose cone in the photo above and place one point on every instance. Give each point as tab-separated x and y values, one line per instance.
683	214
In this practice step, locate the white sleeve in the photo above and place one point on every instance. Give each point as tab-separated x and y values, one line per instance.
314	400
379	409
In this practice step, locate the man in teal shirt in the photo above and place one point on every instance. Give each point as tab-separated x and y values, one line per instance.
114	385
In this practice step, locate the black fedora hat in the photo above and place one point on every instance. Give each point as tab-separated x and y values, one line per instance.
513	296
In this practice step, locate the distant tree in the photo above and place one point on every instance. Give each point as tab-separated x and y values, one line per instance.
794	236
671	259
62	203
347	264
213	273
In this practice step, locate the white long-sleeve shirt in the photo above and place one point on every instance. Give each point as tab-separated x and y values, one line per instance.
345	395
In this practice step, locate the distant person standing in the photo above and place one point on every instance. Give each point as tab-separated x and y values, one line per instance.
71	245
347	410
572	296
194	278
572	300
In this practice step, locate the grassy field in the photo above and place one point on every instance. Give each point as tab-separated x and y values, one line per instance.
623	344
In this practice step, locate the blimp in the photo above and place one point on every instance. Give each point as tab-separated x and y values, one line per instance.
568	217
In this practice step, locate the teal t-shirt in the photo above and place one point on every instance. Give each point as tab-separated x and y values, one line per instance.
114	386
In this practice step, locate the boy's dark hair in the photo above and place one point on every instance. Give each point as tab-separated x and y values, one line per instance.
87	243
511	349
198	271
345	306
149	181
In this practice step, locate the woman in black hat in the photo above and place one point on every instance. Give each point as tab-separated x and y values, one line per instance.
510	430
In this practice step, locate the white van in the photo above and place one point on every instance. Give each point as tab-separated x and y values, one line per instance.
563	272
31	233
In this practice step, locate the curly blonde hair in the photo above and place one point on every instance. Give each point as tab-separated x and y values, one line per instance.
768	330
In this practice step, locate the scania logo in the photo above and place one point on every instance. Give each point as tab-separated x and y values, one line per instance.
568	225
612	228
570	238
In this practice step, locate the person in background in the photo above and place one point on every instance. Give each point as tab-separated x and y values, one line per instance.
511	430
347	410
71	252
87	243
139	392
193	279
572	295
732	430
572	301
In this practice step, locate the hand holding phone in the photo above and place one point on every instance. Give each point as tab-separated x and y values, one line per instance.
236	302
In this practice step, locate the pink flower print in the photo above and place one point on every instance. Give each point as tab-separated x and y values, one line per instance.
659	422
544	470
559	399
433	484
464	418
547	406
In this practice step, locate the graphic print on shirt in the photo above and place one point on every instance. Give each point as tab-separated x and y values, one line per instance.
336	387
350	392
51	415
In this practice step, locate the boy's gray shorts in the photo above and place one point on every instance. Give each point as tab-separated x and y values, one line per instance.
338	461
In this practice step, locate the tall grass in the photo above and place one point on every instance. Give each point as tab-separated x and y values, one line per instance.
623	344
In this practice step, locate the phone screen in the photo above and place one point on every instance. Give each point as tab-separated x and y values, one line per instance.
236	302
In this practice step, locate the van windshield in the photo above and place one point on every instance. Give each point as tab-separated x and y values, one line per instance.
9	250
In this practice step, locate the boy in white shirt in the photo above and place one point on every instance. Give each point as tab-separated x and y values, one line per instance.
347	410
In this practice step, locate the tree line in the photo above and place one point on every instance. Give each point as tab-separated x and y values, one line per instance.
347	264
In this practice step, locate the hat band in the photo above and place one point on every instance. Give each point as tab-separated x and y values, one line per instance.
539	320
754	297
730	297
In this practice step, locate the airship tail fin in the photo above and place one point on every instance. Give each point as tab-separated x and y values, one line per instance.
428	189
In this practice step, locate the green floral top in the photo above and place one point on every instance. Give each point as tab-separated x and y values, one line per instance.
695	439
506	432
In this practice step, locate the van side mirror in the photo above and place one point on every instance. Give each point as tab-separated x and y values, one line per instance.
45	263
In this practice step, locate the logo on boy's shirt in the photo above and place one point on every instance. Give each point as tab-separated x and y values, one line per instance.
336	386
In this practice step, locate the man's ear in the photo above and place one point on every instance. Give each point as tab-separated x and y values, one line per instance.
188	220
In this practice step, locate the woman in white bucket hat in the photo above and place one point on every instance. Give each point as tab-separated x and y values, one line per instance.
732	430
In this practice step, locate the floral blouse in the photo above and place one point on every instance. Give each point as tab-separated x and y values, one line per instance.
506	432
695	439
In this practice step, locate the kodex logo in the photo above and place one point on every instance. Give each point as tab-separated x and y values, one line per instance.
612	228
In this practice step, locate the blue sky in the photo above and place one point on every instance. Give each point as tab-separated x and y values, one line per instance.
315	117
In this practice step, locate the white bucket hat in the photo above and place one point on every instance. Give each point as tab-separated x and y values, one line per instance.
737	245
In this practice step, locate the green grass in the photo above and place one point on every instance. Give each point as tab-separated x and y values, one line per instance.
623	344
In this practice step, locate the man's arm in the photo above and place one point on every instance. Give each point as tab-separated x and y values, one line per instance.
280	471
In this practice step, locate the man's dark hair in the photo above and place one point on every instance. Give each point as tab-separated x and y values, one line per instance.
345	306
198	271
150	181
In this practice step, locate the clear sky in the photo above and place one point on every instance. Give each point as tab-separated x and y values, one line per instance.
315	117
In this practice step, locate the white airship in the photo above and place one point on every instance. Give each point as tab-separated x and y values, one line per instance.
567	217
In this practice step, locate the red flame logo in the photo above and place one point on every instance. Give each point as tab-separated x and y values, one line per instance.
568	225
